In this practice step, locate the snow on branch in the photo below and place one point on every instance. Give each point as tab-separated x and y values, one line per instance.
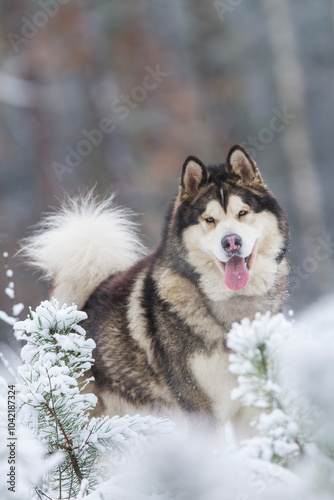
53	404
256	359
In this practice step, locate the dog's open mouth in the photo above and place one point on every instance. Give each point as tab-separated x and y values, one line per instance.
236	271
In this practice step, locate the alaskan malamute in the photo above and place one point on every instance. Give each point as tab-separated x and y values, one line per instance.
160	321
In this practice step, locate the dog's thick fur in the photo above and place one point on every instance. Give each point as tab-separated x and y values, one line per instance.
160	321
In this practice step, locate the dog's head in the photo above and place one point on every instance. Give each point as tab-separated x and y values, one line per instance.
231	226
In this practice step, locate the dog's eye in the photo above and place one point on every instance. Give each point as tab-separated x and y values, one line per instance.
242	213
209	220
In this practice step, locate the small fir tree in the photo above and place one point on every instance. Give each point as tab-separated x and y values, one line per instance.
257	350
53	404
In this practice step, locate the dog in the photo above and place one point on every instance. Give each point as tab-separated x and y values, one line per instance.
160	320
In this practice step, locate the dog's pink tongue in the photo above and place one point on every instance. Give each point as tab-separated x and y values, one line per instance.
236	273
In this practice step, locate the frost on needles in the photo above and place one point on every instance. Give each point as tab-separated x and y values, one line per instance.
53	404
257	347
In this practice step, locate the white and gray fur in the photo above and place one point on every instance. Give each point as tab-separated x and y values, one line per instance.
160	321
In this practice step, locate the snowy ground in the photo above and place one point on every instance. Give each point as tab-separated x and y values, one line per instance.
188	467
193	468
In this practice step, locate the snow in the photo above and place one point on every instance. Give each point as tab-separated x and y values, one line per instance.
318	318
51	396
283	366
10	291
83	489
7	319
31	463
252	343
17	309
193	467
298	374
259	347
309	367
8	366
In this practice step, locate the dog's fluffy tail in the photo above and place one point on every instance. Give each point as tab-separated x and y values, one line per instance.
82	244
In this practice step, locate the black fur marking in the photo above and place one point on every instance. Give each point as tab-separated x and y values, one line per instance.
194	176
168	342
155	370
189	214
122	378
257	196
237	147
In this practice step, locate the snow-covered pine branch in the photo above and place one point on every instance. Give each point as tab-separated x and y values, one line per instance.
256	360
52	402
30	461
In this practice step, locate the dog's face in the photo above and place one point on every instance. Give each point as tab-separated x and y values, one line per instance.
232	227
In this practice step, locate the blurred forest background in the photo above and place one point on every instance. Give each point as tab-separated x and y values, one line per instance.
117	93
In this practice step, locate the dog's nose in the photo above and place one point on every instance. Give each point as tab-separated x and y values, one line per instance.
231	242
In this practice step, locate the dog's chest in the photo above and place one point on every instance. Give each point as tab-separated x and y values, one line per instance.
214	378
236	308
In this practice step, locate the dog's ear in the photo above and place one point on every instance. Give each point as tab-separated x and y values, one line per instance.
241	164
194	175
